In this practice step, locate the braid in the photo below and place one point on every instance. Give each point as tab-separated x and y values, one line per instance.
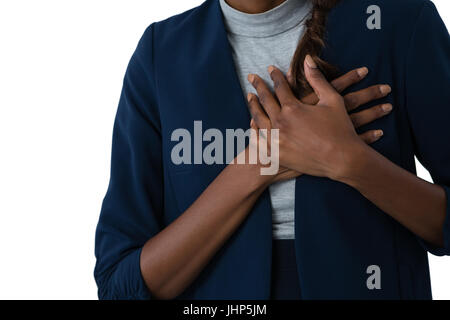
312	43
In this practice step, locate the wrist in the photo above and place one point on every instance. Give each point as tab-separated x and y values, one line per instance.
352	162
251	174
250	177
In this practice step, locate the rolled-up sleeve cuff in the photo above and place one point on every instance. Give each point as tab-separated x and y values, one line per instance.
126	282
441	251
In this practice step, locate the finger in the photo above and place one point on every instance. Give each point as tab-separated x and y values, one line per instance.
290	77
281	86
259	117
369	115
371	136
253	124
340	84
356	99
323	89
350	78
266	98
310	99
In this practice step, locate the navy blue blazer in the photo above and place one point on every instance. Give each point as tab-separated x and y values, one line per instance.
182	71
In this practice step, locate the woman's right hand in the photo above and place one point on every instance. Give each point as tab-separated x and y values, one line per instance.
352	100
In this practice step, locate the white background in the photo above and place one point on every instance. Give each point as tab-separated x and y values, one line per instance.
61	68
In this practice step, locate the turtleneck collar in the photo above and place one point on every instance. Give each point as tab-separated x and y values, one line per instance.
280	19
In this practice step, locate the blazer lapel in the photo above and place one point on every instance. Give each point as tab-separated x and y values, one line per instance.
213	95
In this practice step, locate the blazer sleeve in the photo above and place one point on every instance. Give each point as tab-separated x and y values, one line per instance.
132	207
428	102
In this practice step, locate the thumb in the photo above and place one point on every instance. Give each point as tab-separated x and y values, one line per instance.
322	88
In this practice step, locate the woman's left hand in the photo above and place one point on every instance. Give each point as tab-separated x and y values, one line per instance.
318	139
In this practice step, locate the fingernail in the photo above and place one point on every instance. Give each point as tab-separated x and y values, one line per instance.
310	62
270	69
386	107
251	78
362	72
251	123
385	89
379	133
249	97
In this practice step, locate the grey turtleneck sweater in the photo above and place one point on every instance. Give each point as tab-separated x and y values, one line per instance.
257	41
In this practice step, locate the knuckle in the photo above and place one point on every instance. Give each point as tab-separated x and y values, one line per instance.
354	76
371	137
251	108
279	121
290	105
275	121
257	83
276	83
355	120
267	124
377	91
374	112
263	97
379	111
351	100
315	74
366	138
287	110
257	118
337	99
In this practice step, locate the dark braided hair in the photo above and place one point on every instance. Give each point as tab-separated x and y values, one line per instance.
312	43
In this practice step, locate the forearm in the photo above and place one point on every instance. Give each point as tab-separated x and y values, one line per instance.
417	204
172	259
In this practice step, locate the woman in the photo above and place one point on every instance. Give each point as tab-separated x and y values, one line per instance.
363	220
